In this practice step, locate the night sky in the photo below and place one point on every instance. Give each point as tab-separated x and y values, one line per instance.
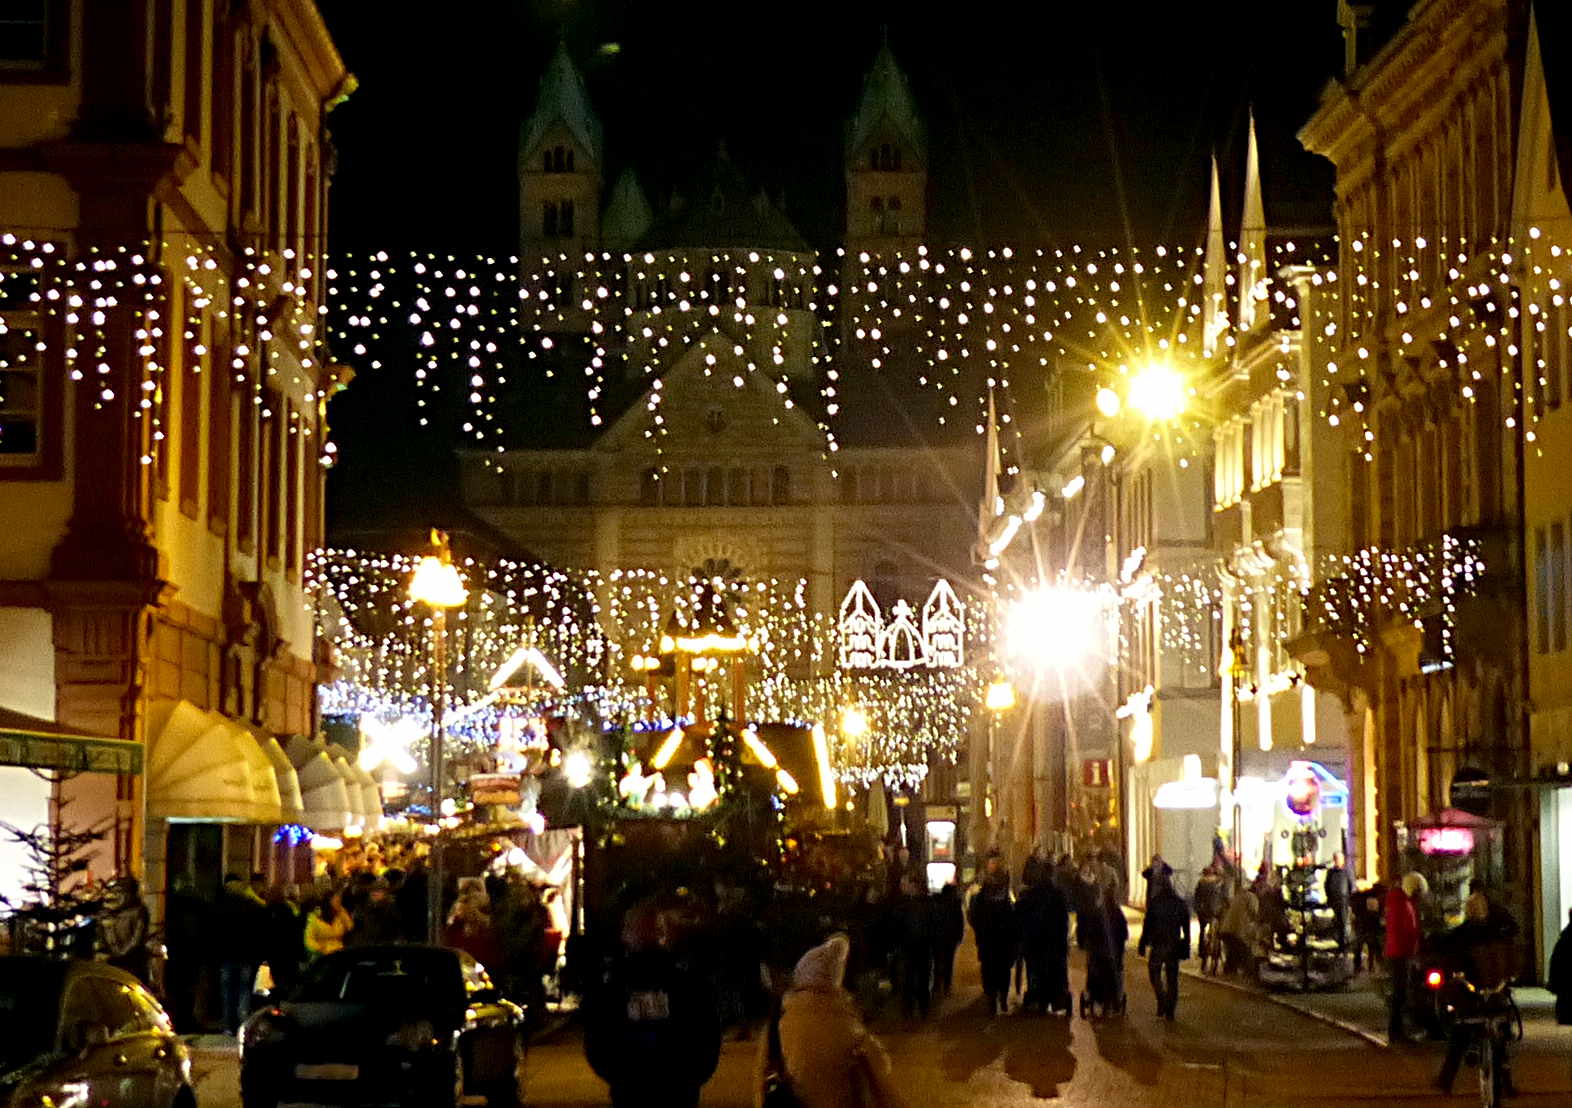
1048	124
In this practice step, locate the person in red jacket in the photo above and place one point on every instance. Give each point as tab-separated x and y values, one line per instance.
1402	945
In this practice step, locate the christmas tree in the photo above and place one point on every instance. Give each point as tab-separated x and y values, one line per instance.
57	899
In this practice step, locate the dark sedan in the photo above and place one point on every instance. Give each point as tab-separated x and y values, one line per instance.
83	1033
416	1025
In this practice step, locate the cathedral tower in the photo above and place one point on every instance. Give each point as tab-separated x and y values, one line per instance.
560	159
886	164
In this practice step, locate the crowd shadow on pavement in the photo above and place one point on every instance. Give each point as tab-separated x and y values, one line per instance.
1035	1049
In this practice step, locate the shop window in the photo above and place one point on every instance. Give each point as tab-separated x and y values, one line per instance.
20	382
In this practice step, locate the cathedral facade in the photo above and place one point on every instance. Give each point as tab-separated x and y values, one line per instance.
709	449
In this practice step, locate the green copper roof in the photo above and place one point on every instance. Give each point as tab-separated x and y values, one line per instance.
564	99
886	101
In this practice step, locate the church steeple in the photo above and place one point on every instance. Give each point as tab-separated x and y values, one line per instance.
886	162
1252	243
560	157
1214	282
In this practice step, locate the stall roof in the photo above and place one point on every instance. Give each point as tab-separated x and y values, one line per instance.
43	744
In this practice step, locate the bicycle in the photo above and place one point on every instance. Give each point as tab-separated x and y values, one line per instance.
1483	1022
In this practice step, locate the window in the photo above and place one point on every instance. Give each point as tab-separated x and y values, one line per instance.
548	220
272	475
886	158
1558	587
26	31
649	488
294	509
693	488
877	203
1290	460
246	486
194	362
558	159
894	204
780	485
761	486
223	99
715	487
20	381
565	219
737	486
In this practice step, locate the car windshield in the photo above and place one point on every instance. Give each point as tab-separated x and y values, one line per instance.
380	977
29	1010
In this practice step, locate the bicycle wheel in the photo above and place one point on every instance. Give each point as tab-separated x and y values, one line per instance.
1489	1078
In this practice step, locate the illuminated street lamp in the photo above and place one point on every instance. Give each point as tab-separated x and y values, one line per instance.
436	583
854	722
1158	391
1000	696
1108	402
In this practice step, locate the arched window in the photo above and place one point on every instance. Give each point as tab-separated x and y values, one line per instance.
780	485
715	487
557	159
649	488
565	219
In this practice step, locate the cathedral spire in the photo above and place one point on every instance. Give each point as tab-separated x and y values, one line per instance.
887	101
562	100
1252	242
1214	286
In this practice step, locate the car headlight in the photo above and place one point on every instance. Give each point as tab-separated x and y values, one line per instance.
415	1035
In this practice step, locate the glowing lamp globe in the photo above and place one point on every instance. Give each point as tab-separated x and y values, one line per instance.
1000	696
437	583
1158	392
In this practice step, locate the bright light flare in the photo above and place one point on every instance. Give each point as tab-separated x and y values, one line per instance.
437	583
668	749
1108	402
1001	695
1158	392
1060	628
854	723
577	769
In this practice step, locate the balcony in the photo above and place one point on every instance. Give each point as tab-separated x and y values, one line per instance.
1409	609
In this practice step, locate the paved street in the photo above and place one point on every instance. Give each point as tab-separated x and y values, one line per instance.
1228	1049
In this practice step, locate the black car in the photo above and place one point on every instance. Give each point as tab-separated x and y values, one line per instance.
82	1032
404	1024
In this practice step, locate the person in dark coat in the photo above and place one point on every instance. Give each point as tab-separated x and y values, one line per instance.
1369	910
285	951
1559	979
1045	936
949	928
914	948
651	1028
992	917
1339	884
186	933
376	919
239	936
1165	940
1211	896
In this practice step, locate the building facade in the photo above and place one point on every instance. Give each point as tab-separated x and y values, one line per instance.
163	174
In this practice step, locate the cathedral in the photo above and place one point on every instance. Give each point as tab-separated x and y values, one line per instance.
709	450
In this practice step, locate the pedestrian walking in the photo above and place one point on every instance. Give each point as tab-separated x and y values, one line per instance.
1240	922
376	917
1156	870
1339	884
914	948
239	935
1369	908
1559	979
1045	937
994	926
829	1057
1402	945
286	939
1165	941
327	925
1209	901
949	928
187	934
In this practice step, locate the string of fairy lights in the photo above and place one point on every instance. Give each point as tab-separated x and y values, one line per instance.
1481	327
592	626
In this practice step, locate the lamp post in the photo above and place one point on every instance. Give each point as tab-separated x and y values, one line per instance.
1233	665
437	584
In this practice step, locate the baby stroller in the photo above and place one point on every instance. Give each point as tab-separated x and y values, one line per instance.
1104	993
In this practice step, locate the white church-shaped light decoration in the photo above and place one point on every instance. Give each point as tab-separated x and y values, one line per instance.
861	628
901	646
944	627
937	641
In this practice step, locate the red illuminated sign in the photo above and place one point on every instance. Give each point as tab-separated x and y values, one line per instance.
1446	840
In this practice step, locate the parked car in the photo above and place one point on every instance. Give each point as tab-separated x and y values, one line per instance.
406	1024
82	1032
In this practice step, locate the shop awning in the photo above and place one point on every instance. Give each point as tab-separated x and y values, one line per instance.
42	744
345	765
203	766
370	796
323	794
291	805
